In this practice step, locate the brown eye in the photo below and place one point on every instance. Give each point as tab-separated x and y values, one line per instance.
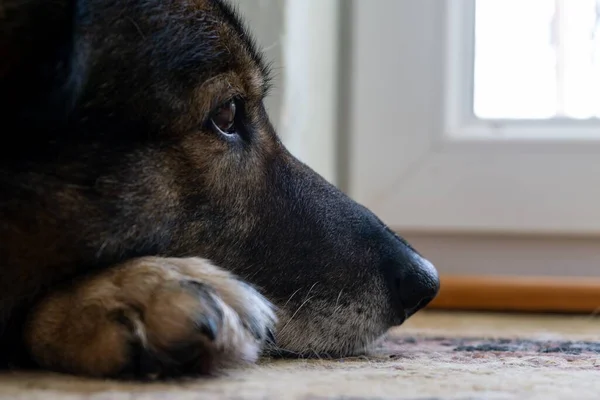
223	118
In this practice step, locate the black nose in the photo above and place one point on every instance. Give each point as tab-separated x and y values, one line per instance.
417	284
412	280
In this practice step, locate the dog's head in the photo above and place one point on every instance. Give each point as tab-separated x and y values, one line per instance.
150	137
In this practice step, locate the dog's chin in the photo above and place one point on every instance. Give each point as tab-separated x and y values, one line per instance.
329	341
354	347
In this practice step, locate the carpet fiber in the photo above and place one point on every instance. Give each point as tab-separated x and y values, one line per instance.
439	356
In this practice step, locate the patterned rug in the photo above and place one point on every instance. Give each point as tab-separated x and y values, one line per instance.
408	365
562	354
401	346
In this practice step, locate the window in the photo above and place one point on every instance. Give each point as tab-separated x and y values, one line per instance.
537	59
528	68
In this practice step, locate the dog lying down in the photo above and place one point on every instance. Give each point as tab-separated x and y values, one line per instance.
152	223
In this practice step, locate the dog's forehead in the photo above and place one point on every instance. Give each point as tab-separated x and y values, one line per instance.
174	47
238	48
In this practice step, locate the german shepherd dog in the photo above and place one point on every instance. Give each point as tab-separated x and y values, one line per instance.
152	224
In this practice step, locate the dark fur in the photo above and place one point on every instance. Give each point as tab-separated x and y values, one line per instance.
107	155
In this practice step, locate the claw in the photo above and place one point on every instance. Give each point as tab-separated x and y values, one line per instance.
208	327
271	337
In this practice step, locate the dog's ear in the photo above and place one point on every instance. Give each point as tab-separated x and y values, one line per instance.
36	46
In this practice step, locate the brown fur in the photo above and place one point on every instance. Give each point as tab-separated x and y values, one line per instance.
135	238
153	304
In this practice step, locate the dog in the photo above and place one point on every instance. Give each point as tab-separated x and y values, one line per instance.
152	224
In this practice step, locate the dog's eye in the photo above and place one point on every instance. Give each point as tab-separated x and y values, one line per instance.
223	118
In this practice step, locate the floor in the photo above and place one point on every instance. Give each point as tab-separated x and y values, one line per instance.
436	355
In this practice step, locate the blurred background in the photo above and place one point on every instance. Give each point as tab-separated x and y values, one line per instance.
472	127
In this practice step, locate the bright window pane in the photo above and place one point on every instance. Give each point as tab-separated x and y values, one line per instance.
537	59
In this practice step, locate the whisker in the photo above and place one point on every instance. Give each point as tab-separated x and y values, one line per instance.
290	298
294	314
306	300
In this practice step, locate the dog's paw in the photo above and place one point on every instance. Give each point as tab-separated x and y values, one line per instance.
151	318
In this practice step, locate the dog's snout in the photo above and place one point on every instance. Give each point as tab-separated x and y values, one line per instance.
413	281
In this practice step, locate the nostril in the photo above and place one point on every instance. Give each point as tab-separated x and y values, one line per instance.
411	279
420	305
415	290
416	285
410	295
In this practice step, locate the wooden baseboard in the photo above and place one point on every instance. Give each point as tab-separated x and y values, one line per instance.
518	294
